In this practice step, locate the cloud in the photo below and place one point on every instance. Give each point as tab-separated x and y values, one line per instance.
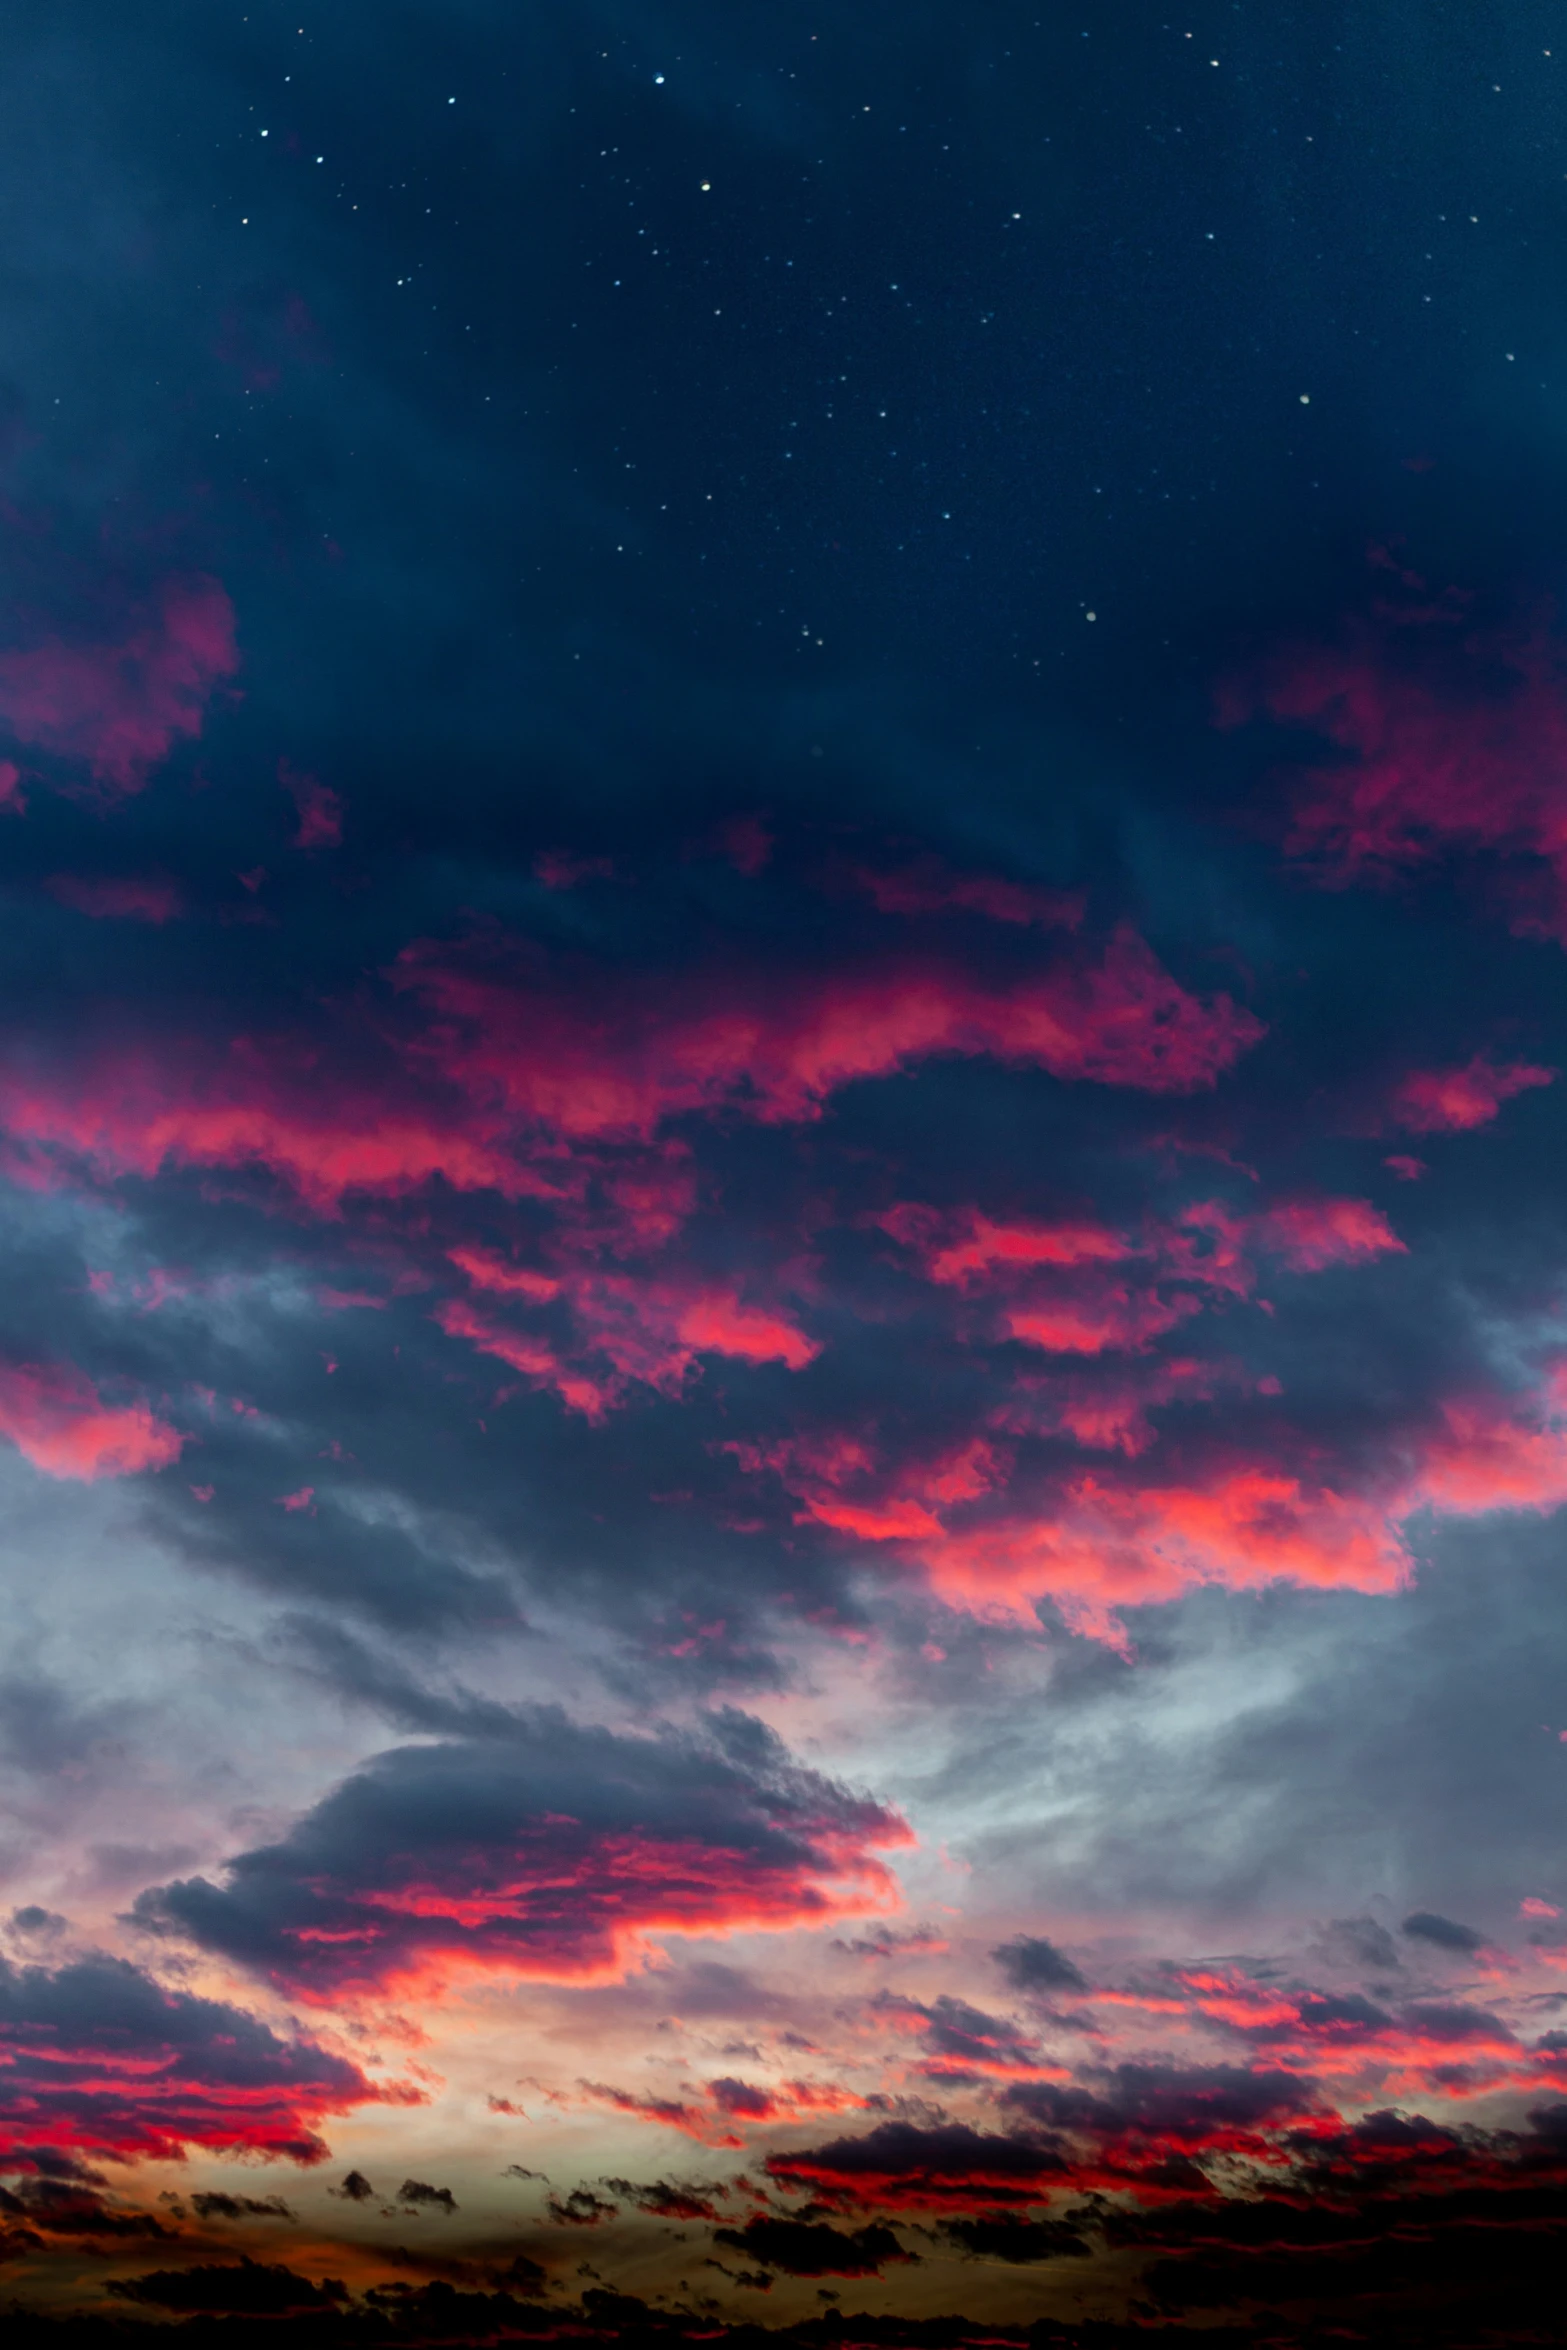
650	1329
73	2207
1084	1288
1192	2107
1455	1101
1361	1943
1431	2234
320	810
1096	1543
1030	1963
554	1853
1446	1933
1310	1235
810	2248
57	1420
1441	751
960	2042
1003	2235
101	2059
588	1064
214	2204
118	897
665	2199
900	2165
580	2209
420	2196
119	707
246	2288
929	886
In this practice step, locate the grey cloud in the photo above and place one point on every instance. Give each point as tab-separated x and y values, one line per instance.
1360	1943
213	2203
756	1831
420	2196
1426	1925
1030	1963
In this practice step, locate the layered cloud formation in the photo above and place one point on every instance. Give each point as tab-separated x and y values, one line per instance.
100	2060
553	1852
783	1371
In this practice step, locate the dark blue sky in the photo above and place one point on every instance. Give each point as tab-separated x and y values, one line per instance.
783	1368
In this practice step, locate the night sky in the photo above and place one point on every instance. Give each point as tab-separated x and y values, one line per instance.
783	1087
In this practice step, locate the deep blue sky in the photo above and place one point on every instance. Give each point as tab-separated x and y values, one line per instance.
783	842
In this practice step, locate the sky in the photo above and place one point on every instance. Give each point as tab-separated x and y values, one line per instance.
783	1076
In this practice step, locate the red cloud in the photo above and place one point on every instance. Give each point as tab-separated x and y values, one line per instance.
57	1420
121	707
98	2059
1452	1101
553	1853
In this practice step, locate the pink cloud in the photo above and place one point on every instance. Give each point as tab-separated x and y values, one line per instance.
320	809
123	898
1454	1101
488	1271
1107	1411
595	1061
1311	1234
1097	1543
137	1112
1116	1318
121	707
516	1057
748	845
970	1247
537	1360
648	1328
561	869
714	1320
58	1421
1063	1296
928	886
1465	756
